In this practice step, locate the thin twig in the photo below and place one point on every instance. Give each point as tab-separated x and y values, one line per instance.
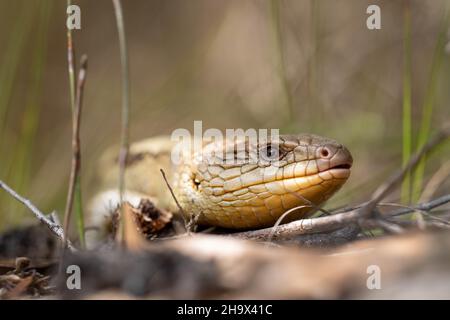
427	206
281	218
310	203
191	226
418	214
76	151
53	226
388	226
76	188
71	64
414	209
124	145
183	213
438	178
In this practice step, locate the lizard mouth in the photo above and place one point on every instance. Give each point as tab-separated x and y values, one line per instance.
338	171
346	166
341	171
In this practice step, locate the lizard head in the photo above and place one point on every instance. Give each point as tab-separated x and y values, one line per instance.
246	184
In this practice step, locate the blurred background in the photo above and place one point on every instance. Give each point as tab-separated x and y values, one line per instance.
297	65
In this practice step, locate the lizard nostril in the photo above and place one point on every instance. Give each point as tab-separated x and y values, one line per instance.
324	152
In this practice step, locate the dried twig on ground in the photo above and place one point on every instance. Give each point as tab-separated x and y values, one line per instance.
54	227
303	226
330	239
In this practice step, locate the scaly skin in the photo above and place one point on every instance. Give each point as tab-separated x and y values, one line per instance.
252	192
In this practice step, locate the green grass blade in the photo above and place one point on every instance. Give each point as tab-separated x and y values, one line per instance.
427	109
406	134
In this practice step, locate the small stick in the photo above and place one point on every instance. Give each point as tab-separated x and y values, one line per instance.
76	151
438	178
54	227
413	209
192	224
71	64
427	206
280	219
310	203
387	226
186	223
125	127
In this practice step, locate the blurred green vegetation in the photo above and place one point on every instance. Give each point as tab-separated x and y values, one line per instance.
429	100
297	65
17	144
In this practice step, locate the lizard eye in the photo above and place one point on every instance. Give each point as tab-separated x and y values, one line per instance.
270	152
324	152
